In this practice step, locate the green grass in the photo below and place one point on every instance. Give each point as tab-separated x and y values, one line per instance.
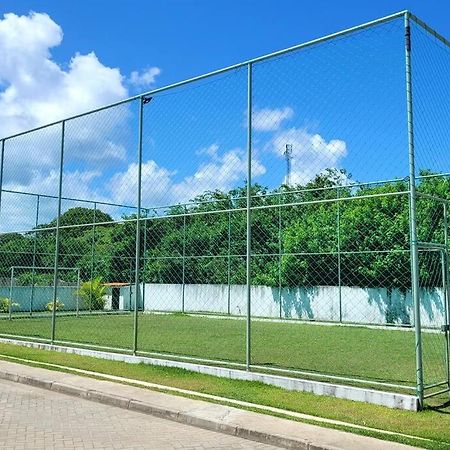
429	424
373	354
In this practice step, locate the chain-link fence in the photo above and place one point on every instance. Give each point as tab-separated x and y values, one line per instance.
286	215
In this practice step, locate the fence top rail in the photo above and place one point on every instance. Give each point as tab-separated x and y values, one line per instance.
430	30
225	69
80	200
215	211
43	267
431	246
147	209
433	197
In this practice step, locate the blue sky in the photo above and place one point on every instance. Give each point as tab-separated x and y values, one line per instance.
341	104
190	37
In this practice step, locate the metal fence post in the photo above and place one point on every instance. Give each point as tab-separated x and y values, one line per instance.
338	229
444	266
446	291
92	256
142	100
229	264
143	259
249	225
2	160
36	222
78	292
130	282
280	250
11	293
58	219
413	214
183	274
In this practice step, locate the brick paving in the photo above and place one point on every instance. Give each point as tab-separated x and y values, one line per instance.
33	418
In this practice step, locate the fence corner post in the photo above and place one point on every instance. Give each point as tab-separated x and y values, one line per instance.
414	250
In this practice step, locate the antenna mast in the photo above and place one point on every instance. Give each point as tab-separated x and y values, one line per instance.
288	155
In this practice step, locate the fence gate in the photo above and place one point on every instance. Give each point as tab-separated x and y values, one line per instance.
434	310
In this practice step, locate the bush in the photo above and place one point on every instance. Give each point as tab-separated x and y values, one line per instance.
5	305
92	294
59	305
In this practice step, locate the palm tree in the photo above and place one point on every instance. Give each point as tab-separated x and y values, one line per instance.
93	293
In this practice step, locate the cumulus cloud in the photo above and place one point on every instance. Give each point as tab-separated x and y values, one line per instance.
159	186
34	89
222	172
144	78
156	183
268	119
18	210
210	151
311	153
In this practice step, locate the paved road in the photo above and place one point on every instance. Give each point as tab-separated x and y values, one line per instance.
33	418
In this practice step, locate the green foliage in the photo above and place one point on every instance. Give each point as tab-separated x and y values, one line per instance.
93	293
80	216
59	306
38	279
15	250
6	305
373	234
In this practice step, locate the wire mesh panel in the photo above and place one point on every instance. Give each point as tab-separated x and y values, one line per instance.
430	85
194	163
434	316
97	228
430	66
330	237
30	172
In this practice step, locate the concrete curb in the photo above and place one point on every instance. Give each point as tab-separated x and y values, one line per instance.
249	425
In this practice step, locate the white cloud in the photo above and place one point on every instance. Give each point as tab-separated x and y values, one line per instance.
145	78
221	171
209	151
268	119
156	184
36	90
18	210
311	153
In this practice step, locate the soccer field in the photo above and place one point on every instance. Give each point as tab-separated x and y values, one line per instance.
367	353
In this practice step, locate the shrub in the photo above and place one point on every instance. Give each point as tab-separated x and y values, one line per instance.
92	294
59	305
5	304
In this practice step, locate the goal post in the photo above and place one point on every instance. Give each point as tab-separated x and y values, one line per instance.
30	290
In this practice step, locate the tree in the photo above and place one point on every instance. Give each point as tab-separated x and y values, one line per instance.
92	294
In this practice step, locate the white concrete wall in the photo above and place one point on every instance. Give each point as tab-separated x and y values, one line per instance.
360	305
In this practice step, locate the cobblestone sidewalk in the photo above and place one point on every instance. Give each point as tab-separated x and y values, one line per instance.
33	418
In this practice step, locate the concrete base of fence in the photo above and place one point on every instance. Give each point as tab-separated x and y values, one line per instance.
383	398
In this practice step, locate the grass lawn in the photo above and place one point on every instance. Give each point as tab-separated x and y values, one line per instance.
433	424
373	354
